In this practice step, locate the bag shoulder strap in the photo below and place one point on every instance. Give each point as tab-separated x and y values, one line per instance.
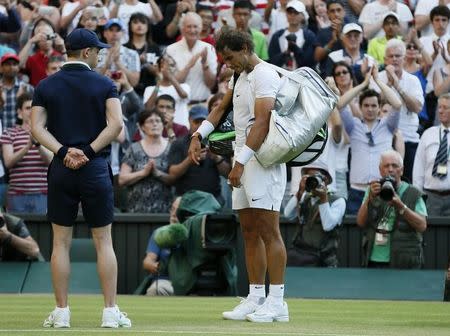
282	71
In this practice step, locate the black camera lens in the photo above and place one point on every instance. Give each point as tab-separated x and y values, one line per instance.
387	188
312	182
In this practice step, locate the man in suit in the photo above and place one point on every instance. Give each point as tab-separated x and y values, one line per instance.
78	125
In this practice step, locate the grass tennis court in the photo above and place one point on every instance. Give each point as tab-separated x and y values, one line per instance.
24	314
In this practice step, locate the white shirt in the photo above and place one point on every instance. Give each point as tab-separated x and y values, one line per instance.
424	7
181	53
181	105
439	62
262	82
278	21
330	215
424	161
68	8
409	121
126	10
373	12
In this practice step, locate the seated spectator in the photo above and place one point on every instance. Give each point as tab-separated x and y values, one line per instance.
432	164
226	17
394	220
144	168
188	176
293	47
11	86
167	106
407	87
27	163
89	19
141	40
118	57
46	43
16	243
352	53
319	17
369	136
54	65
196	61
372	15
320	214
157	258
168	84
123	10
391	28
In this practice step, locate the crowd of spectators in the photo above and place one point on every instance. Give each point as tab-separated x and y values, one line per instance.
389	61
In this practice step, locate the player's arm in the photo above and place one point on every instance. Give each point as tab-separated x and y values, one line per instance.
208	126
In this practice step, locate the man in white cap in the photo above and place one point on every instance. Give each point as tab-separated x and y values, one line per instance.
320	216
352	53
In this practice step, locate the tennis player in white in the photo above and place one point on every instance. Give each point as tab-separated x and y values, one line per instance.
257	191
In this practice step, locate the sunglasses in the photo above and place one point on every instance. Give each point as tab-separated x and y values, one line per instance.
343	72
411	46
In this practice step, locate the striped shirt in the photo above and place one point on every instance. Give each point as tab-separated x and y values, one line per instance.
29	175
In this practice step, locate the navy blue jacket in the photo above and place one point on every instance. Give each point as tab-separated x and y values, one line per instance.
303	56
10	23
75	100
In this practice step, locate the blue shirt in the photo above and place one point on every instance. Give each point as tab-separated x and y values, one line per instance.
75	100
163	254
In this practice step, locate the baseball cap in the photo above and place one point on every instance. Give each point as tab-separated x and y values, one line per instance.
299	7
198	112
81	38
351	27
394	14
112	22
9	56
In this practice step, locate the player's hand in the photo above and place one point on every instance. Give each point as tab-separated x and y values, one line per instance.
195	150
235	175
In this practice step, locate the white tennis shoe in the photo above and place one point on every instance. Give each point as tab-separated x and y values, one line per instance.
114	318
270	311
245	307
58	318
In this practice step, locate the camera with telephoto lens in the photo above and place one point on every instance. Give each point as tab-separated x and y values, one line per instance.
388	187
314	181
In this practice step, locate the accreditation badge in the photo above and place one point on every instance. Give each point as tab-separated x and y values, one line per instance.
381	236
442	169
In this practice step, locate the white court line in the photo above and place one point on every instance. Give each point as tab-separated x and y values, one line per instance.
123	330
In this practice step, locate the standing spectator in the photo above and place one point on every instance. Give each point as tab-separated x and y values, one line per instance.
118	57
409	90
435	44
353	8
275	17
9	23
54	65
27	163
422	18
369	136
47	44
432	164
319	17
125	9
188	175
329	38
242	10
11	86
166	105
372	15
391	28
393	228
293	47
352	52
207	15
196	60
89	19
149	52
144	168
168	84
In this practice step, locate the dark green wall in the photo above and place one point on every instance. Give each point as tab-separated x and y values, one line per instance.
131	233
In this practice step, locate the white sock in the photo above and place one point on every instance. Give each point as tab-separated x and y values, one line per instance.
59	308
257	291
276	292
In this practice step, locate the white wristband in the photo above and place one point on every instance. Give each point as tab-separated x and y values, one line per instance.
245	155
205	129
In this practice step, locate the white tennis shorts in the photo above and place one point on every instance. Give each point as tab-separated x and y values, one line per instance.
262	188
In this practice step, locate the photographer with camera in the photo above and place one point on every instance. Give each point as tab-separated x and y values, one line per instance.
393	215
294	46
320	215
16	243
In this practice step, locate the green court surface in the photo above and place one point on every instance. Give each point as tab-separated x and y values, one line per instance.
24	314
